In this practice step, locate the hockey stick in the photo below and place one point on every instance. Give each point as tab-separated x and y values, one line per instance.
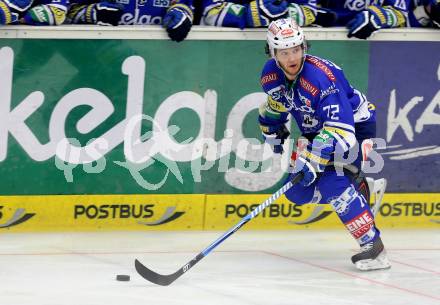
165	280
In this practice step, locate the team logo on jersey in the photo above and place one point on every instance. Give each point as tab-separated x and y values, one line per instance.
290	98
308	86
303	107
276	93
341	204
360	224
322	66
269	78
305	101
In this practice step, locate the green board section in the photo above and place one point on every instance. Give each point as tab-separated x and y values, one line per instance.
50	76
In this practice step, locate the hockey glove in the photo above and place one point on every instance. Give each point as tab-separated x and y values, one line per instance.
374	18
108	13
44	14
277	138
103	13
7	16
178	21
273	8
314	158
304	15
434	14
325	17
259	13
363	25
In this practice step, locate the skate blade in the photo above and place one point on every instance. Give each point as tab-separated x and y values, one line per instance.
381	262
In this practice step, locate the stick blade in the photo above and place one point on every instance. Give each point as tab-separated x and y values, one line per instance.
156	278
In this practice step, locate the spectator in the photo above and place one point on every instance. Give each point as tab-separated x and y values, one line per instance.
175	16
257	13
362	17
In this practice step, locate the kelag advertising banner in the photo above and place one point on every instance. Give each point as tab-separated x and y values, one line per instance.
156	117
125	117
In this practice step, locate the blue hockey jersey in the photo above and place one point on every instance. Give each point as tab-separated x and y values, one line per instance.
320	98
145	12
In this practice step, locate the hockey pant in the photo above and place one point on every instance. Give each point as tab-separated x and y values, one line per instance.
344	195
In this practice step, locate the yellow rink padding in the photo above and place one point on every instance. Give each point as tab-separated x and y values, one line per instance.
397	211
101	212
196	212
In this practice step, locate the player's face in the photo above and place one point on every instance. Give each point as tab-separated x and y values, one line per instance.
290	60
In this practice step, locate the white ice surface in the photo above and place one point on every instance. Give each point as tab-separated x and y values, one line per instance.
251	267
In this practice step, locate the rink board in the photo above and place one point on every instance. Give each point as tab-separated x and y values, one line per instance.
396	211
196	212
104	212
53	88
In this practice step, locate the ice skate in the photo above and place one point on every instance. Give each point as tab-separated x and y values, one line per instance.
372	256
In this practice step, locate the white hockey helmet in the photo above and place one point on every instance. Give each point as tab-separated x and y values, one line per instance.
284	34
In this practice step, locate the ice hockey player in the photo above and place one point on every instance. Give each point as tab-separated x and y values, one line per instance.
256	13
363	17
38	12
176	16
334	117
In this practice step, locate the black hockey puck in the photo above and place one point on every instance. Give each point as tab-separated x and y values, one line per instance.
122	277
